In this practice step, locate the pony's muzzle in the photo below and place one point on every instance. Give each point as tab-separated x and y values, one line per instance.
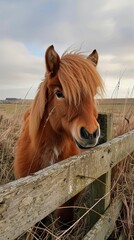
87	139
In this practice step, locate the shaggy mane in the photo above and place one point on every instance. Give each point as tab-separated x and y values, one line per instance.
78	77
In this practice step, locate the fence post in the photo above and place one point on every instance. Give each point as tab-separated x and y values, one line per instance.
106	125
102	185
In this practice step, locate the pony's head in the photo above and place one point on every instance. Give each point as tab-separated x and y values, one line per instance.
65	99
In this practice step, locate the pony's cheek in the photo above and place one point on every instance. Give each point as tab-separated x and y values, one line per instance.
58	120
75	129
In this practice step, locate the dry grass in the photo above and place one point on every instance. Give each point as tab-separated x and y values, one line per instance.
123	177
10	123
124	188
9	129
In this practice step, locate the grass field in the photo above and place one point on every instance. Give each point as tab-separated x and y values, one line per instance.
11	117
13	109
115	106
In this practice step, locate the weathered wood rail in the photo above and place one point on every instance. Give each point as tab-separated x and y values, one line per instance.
105	225
26	201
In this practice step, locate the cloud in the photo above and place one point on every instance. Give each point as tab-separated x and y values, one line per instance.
29	27
17	66
41	22
102	23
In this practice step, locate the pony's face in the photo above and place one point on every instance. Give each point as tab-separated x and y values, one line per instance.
76	120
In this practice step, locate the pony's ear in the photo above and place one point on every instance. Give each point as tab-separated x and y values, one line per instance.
52	61
94	57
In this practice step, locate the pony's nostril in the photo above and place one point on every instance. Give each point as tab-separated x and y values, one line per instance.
84	133
95	134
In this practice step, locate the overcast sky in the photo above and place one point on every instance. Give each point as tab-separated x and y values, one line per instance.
28	27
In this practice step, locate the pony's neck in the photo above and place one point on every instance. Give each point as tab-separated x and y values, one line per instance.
55	146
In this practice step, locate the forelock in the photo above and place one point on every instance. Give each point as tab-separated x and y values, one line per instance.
78	77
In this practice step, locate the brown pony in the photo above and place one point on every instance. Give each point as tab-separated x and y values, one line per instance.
62	121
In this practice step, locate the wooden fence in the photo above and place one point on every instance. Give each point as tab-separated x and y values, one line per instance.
26	201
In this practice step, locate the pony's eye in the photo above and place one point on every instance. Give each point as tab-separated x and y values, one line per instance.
59	94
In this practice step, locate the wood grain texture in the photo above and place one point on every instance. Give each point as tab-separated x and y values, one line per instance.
26	201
